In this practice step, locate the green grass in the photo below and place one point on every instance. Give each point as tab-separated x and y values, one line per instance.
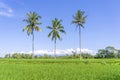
60	69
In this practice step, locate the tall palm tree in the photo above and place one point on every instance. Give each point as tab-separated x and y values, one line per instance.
33	22
79	20
56	29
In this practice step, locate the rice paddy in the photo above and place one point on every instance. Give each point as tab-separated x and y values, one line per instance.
59	69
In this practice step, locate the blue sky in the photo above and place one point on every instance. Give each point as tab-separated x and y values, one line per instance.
101	28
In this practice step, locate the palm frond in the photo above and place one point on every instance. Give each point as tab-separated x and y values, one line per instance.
37	28
81	25
50	33
63	31
58	35
49	27
25	28
74	22
54	36
29	31
60	27
25	20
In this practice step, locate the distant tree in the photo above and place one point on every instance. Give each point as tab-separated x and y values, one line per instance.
102	53
118	54
86	55
28	56
79	20
36	56
56	29
108	52
7	56
68	56
74	54
46	55
33	22
16	55
22	55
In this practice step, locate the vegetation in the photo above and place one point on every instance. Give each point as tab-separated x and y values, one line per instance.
56	29
46	56
33	22
19	56
108	52
49	69
79	20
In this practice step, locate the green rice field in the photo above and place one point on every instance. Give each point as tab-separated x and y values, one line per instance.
59	69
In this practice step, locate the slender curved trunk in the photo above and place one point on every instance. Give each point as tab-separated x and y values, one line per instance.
55	49
33	45
80	40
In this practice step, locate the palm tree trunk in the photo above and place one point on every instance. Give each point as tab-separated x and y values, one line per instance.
33	45
55	49
80	40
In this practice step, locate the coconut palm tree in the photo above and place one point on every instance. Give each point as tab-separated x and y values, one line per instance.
79	20
32	25
56	29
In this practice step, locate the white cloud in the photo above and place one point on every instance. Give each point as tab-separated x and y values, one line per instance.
5	10
58	52
85	50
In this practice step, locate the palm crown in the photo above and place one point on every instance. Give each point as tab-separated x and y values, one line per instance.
56	28
79	18
33	22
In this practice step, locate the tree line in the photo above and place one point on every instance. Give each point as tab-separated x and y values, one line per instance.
108	52
45	56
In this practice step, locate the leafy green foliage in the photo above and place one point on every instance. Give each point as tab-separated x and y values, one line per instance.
18	56
108	52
